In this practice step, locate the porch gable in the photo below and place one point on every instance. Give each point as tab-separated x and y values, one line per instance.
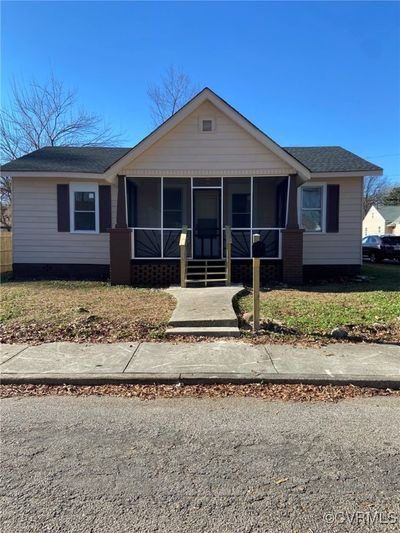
226	150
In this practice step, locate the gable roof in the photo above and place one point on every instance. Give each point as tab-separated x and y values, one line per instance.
96	160
208	95
391	213
101	159
330	159
68	159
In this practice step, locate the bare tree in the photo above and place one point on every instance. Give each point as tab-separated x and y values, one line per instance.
175	90
375	188
45	115
392	197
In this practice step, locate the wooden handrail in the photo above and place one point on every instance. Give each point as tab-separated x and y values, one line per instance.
228	254
183	254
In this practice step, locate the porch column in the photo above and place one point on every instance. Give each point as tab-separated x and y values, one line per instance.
292	239
121	241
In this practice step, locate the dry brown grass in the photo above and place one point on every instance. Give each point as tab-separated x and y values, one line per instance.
268	391
45	311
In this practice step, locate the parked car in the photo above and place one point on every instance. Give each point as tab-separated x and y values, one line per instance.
377	248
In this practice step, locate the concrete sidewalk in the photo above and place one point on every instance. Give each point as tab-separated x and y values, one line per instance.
234	362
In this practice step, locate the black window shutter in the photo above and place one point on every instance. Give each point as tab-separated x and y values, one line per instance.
105	207
332	208
63	223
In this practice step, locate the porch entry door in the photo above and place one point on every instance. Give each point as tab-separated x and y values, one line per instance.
207	223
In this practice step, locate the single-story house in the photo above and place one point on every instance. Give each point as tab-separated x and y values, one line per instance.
93	212
382	220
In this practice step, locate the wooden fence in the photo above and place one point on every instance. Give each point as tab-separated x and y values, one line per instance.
5	252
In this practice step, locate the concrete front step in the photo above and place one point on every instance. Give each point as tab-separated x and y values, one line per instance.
226	322
202	331
204	311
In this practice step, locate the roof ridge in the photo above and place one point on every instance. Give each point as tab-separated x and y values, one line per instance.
315	146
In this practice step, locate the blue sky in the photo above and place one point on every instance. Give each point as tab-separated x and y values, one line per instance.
307	73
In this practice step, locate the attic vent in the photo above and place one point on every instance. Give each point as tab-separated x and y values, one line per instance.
206	125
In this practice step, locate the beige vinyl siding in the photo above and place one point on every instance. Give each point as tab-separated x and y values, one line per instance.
374	223
187	149
395	230
35	235
344	247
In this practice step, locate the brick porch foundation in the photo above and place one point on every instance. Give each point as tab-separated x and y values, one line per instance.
292	256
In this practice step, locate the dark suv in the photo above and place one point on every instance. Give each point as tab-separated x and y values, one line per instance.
377	248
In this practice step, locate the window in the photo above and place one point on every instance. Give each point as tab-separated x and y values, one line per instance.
240	210
176	202
207	124
84	207
173	208
312	208
237	202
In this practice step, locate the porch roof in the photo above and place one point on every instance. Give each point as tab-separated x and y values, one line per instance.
100	159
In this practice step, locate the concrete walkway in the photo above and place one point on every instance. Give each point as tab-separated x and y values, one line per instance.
63	362
206	311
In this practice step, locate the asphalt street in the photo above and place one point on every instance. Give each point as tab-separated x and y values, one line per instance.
106	464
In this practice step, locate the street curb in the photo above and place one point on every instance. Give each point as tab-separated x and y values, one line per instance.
382	382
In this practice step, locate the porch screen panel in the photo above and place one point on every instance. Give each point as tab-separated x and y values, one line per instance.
176	203
171	244
176	213
270	241
241	246
147	243
269	202
237	202
144	202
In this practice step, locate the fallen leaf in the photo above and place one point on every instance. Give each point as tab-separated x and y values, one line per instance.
282	480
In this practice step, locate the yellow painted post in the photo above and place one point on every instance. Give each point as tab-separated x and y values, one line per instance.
5	252
182	247
256	288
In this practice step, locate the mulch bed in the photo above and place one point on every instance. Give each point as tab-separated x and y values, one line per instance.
296	393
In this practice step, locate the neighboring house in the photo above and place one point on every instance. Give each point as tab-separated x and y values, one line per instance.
382	220
207	167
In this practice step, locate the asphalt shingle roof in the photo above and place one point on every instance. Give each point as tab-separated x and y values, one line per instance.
391	213
67	159
100	159
329	159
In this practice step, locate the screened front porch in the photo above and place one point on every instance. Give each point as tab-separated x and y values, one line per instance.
158	208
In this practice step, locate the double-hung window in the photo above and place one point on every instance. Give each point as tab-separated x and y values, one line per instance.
311	208
173	214
84	203
240	210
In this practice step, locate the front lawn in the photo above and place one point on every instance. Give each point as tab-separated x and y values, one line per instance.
46	311
368	311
